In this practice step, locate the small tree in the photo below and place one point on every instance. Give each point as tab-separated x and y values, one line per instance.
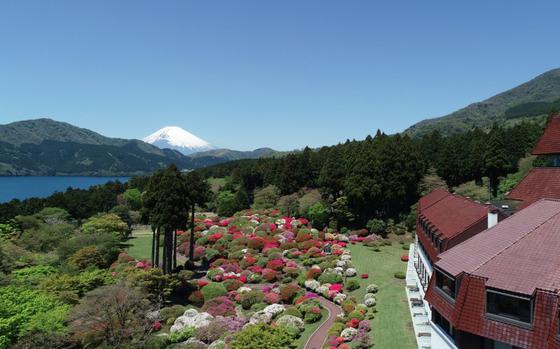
318	214
266	197
112	316
133	198
106	223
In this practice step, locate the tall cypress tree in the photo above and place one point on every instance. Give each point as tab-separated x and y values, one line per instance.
167	201
199	194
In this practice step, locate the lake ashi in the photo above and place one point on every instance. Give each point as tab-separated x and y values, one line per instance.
24	187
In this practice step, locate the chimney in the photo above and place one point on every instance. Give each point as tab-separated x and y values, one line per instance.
492	216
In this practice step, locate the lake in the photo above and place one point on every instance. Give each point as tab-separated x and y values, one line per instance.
23	187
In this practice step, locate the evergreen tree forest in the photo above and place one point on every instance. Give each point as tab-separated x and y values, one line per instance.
379	177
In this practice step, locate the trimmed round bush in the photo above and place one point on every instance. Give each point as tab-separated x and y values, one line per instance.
172	312
213	290
400	275
372	288
330	278
248	299
352	285
294	312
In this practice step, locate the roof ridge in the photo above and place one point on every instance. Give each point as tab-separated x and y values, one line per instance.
521	238
438	200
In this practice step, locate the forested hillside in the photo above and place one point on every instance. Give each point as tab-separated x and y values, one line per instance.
534	98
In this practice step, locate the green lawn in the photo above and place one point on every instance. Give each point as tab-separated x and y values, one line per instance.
140	244
392	326
310	328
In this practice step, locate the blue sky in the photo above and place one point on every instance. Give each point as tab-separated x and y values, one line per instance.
248	74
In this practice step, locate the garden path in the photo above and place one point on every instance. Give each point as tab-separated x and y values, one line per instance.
318	338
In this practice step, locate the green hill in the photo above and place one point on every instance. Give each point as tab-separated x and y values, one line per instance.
530	100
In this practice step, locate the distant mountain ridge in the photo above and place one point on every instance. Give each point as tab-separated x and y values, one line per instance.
527	100
48	147
231	155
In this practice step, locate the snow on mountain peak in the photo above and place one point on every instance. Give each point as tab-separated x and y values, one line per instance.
175	137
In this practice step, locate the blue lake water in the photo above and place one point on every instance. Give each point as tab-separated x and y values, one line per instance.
26	187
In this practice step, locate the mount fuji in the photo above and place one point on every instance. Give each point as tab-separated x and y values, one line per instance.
176	138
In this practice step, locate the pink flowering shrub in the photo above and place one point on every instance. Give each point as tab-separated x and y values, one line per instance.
219	306
272	298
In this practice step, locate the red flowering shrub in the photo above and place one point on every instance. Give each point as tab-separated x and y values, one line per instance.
303	236
313	273
214	237
196	298
269	275
255	244
156	326
363	232
202	283
275	264
288	292
353	323
232	284
249	260
219	306
364	276
404	258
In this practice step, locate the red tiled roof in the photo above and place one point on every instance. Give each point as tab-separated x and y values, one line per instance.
520	254
549	143
539	183
431	198
450	214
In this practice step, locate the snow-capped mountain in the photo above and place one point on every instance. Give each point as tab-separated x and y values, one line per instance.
174	137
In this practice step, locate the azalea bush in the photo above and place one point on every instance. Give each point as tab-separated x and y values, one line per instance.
219	306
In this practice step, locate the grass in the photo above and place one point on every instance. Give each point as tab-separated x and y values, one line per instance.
392	326
310	328
140	244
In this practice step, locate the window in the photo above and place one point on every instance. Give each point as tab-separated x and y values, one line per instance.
445	283
509	306
442	323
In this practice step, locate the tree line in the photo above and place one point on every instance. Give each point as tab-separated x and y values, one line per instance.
379	177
